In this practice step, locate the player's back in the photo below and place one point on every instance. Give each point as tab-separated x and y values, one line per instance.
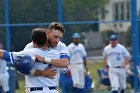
41	81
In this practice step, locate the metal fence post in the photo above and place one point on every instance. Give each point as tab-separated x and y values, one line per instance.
62	78
135	41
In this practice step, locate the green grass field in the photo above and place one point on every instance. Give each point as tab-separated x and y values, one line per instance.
92	66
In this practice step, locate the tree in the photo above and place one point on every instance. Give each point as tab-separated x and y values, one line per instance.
36	11
83	10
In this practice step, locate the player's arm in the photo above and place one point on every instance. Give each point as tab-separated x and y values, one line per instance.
84	55
105	63
1	53
48	72
7	56
85	64
63	62
105	59
126	63
127	58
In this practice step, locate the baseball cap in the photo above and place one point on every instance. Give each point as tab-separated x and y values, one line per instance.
76	35
114	37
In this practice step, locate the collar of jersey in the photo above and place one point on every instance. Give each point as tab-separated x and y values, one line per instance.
45	49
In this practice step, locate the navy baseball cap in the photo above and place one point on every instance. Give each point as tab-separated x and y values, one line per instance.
76	35
114	37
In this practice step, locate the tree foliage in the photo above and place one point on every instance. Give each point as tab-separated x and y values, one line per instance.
82	10
36	11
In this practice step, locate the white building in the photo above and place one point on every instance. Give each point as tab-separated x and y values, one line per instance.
117	10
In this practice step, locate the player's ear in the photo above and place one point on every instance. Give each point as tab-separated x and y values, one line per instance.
34	44
47	33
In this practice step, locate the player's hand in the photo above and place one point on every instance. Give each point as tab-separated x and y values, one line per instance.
106	69
40	59
49	72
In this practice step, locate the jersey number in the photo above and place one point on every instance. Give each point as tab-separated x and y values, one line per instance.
118	58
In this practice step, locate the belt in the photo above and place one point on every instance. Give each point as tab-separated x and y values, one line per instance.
40	88
36	88
52	88
118	67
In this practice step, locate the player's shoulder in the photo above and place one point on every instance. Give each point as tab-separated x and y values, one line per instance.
120	46
81	45
107	47
31	50
70	45
60	44
29	46
1	60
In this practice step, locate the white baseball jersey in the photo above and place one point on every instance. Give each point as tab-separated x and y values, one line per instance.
61	47
3	66
4	76
115	56
76	53
33	81
115	59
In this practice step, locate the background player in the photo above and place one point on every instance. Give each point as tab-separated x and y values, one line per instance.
116	57
38	84
4	75
78	63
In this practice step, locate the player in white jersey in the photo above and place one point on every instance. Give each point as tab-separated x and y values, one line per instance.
4	75
39	84
78	63
54	33
116	58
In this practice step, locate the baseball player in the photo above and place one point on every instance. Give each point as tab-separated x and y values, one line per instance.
78	62
36	84
4	76
54	33
116	57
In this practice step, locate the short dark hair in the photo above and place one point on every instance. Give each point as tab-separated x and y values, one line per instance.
56	26
39	36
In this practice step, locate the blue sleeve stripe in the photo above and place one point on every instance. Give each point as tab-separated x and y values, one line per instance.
11	58
6	56
65	56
